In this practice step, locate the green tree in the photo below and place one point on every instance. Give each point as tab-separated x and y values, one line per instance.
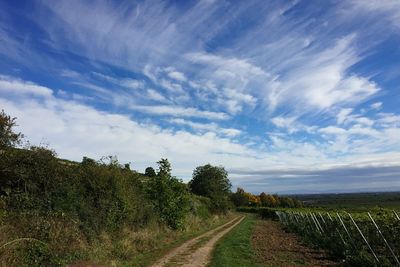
239	198
268	200
150	172
212	181
264	199
169	195
8	138
164	168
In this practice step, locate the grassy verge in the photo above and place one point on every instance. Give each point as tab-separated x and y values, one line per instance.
235	249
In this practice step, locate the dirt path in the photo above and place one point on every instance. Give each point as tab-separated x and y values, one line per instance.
274	247
197	251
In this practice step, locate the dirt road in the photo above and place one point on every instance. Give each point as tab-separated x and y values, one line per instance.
197	251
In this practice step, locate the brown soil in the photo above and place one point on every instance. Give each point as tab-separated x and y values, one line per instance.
274	247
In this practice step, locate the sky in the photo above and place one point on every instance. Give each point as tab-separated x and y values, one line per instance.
289	96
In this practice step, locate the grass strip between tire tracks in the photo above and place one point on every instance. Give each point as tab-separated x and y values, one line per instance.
235	248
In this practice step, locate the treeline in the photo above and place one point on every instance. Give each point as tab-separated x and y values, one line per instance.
245	199
49	207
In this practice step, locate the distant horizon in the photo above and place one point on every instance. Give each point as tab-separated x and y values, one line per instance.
289	96
344	193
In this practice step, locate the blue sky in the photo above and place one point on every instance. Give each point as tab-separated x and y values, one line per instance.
289	96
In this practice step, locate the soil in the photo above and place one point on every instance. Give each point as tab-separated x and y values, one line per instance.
275	247
197	251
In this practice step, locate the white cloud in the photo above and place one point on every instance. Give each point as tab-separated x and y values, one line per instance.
377	105
364	121
235	101
321	82
389	119
343	115
291	124
176	75
154	95
178	111
226	66
195	125
70	74
171	86
125	82
333	130
131	83
230	132
212	127
385	9
16	86
285	122
362	130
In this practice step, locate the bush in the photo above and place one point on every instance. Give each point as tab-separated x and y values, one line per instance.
169	196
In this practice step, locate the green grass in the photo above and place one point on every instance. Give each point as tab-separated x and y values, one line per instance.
235	249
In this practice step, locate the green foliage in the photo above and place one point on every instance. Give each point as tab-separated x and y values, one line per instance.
239	198
211	181
243	198
150	172
8	138
100	195
263	212
169	196
347	245
201	206
43	196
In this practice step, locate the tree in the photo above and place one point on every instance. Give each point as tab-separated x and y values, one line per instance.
264	199
164	168
252	200
211	181
8	138
150	172
169	196
88	161
268	200
239	198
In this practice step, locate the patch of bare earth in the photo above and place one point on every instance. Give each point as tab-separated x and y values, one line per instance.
275	247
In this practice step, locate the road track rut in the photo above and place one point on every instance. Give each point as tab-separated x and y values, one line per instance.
196	252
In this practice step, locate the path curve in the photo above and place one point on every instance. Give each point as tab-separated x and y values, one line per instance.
189	255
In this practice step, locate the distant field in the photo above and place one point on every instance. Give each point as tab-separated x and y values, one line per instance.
353	200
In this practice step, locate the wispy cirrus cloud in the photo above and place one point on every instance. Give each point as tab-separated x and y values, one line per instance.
213	127
177	111
388	10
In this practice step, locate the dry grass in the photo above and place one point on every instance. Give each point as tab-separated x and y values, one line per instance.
33	241
62	242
